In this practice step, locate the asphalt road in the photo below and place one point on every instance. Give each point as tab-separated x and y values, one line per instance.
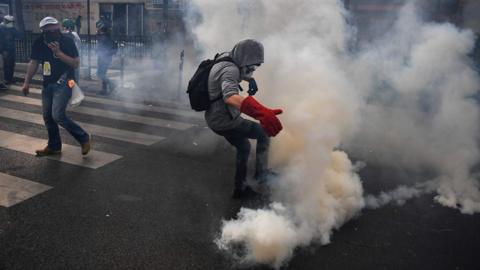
160	206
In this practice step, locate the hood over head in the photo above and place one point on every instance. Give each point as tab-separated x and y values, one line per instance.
248	52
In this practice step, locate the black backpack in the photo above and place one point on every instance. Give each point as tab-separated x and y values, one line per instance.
198	84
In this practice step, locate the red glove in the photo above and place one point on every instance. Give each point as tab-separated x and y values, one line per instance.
266	116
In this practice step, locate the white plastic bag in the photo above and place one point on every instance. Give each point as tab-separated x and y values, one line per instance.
77	96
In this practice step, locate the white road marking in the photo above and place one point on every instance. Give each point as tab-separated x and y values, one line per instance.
112	133
70	154
128	105
14	190
108	114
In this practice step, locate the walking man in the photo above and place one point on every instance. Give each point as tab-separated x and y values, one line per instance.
58	57
106	49
3	86
8	34
224	113
78	23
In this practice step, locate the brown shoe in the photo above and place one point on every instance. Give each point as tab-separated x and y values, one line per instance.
47	152
86	146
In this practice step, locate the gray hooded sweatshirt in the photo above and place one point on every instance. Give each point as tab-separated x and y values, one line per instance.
224	80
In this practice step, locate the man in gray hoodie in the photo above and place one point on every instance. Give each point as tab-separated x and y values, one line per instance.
224	113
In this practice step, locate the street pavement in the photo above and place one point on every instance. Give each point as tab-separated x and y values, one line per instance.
154	192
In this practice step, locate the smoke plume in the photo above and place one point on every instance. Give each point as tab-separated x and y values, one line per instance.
399	195
400	99
417	82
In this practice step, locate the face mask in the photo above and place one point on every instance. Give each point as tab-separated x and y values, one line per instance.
9	24
247	72
51	36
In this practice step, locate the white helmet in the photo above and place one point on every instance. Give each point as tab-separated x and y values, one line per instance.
9	18
47	21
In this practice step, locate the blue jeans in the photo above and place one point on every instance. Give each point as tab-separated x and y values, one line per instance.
238	137
55	98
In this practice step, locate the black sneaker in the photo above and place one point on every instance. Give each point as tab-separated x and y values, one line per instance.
245	193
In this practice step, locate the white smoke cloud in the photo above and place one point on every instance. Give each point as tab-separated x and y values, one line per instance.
258	231
417	81
319	189
400	195
311	203
403	97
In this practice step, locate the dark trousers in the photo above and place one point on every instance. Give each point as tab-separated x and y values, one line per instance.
238	137
8	65
103	63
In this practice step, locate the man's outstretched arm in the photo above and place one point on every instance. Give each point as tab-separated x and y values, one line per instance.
31	70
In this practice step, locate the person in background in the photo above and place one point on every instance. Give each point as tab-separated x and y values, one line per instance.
78	23
476	53
106	49
69	31
58	57
3	86
8	34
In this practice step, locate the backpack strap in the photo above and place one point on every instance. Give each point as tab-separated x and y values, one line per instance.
216	61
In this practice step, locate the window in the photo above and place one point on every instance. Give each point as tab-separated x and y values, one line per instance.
172	4
4	10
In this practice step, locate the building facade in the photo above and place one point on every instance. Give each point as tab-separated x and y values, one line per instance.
5	7
375	17
152	17
126	17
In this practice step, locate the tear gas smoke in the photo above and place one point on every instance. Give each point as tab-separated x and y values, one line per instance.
318	190
399	195
154	77
403	95
418	84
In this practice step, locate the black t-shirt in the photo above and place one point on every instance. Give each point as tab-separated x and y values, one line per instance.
53	68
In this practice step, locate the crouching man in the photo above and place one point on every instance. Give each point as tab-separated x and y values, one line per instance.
59	58
224	113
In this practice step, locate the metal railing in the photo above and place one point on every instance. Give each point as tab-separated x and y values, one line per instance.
128	46
24	46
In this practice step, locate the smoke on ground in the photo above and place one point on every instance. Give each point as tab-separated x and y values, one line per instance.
399	196
417	82
403	96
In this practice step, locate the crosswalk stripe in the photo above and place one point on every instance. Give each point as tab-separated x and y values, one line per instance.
112	133
107	113
14	190
70	154
135	106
